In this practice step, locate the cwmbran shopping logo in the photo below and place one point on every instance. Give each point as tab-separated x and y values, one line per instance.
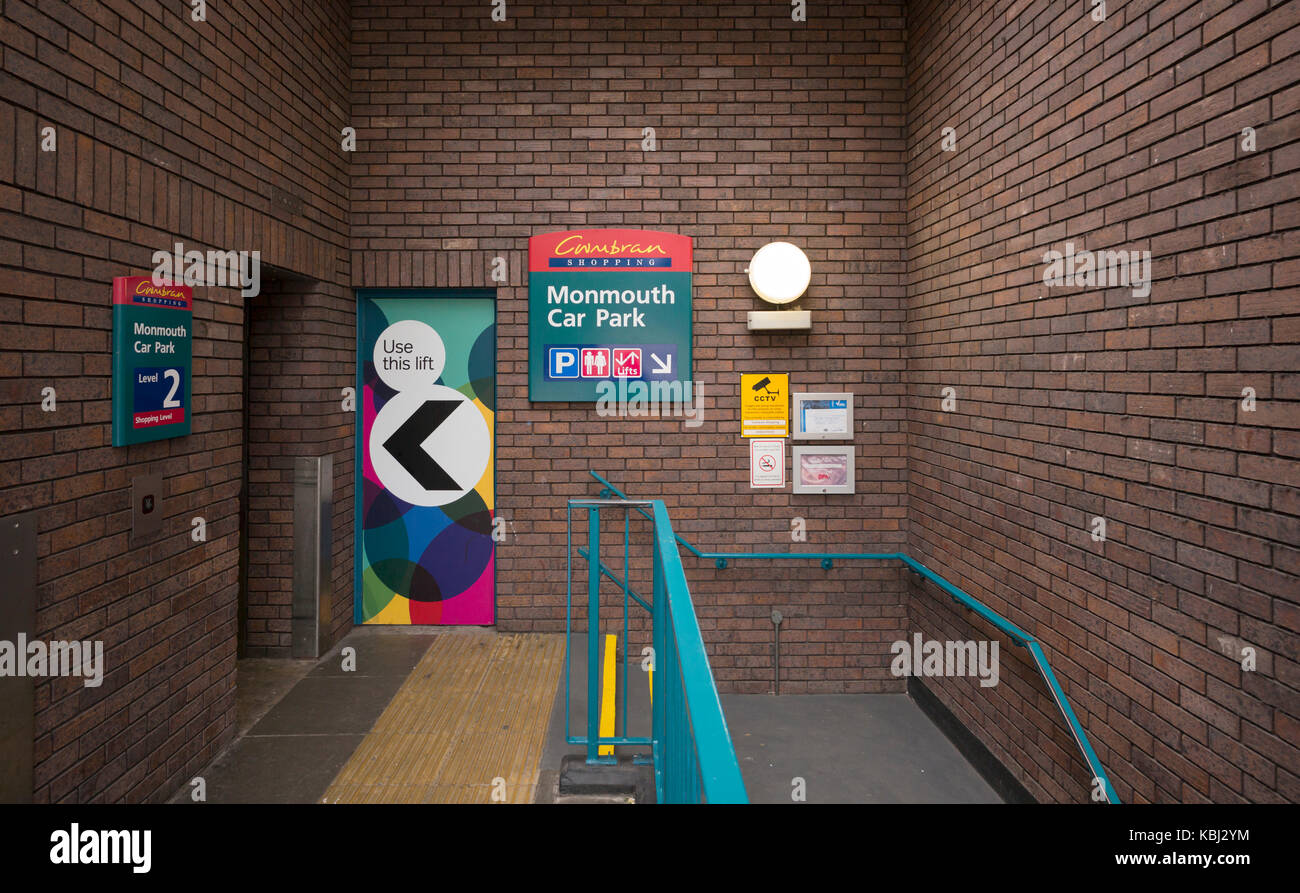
579	250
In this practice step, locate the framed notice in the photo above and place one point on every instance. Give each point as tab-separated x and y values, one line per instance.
823	416
823	469
766	463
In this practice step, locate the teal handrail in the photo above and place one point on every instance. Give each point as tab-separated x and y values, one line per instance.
695	760
692	752
1018	636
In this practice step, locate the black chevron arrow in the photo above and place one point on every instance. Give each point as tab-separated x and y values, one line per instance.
404	444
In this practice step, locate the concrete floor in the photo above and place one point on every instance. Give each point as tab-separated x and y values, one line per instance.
467	726
299	722
302	737
260	683
638	711
848	749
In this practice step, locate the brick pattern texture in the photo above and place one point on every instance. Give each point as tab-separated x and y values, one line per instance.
1075	403
302	344
473	135
1071	402
221	135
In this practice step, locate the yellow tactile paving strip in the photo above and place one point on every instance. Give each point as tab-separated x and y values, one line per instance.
474	709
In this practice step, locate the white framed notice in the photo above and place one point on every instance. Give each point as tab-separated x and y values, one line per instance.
823	416
766	463
823	469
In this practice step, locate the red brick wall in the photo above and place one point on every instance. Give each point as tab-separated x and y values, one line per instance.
1075	402
302	349
474	135
222	134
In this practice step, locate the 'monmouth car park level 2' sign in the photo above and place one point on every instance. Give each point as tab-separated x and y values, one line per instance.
605	305
152	359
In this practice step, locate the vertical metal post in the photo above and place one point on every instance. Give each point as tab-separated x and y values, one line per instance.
313	508
776	652
18	692
568	610
593	638
659	711
627	643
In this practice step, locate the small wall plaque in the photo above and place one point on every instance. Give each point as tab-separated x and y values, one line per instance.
823	469
823	416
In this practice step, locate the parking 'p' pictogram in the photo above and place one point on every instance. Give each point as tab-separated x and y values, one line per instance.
562	362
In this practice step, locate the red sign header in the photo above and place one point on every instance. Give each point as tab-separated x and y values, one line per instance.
609	249
140	291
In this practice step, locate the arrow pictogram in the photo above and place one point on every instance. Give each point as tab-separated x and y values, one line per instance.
405	444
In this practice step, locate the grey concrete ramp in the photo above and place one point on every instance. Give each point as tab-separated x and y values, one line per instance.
848	749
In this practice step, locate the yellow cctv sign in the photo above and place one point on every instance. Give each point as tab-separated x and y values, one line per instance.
765	405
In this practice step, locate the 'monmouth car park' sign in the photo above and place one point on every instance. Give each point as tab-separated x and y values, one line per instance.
152	359
605	305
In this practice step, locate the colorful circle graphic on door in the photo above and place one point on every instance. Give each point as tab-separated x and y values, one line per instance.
429	447
425	552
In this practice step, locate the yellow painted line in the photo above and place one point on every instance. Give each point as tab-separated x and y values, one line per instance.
607	692
467	726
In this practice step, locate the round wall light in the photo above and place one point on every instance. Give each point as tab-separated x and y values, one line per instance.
779	272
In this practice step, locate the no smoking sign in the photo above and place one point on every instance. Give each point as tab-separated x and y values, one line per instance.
766	463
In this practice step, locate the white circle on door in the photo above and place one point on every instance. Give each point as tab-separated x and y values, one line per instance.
409	356
430	447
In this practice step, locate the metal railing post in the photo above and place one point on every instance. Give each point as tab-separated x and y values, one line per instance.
593	640
662	614
659	706
627	642
568	610
693	756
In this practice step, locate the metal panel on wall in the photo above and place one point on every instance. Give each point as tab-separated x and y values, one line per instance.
17	692
313	509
